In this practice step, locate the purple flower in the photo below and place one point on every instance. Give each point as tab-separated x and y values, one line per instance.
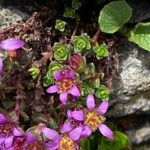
59	142
1	65
74	125
93	118
11	44
64	84
33	143
8	132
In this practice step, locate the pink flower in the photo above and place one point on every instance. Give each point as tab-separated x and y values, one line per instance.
64	84
91	118
8	132
9	44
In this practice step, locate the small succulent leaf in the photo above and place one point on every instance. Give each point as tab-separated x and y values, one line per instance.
48	80
69	13
141	35
61	51
34	72
53	67
86	89
114	15
81	43
76	4
60	25
102	93
101	51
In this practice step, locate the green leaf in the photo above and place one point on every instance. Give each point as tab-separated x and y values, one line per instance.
101	51
141	35
102	93
60	25
81	43
114	15
120	142
34	72
61	51
69	13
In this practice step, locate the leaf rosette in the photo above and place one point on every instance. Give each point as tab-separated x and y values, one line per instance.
69	13
76	4
61	51
81	43
102	93
34	72
60	25
53	67
101	51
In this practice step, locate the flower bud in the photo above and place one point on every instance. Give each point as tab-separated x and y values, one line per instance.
77	62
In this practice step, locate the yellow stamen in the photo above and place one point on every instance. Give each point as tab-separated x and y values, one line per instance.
92	119
64	84
67	144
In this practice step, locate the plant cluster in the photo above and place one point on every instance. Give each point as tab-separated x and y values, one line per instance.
74	85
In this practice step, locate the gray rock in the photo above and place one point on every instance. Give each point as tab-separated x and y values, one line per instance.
139	133
141	10
132	85
9	16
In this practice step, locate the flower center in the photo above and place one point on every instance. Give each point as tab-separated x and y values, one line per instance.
6	128
66	143
92	119
64	85
35	145
19	143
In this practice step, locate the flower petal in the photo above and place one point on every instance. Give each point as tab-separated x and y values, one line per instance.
30	137
2	118
2	138
106	131
63	97
76	114
86	131
90	102
1	65
66	127
11	44
9	141
17	132
71	74
53	145
52	89
76	133
49	133
103	107
57	75
74	91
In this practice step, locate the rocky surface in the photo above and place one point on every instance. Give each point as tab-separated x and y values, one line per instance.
139	132
132	85
141	10
9	16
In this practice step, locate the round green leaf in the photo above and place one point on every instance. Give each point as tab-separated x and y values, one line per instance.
114	15
120	142
141	35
